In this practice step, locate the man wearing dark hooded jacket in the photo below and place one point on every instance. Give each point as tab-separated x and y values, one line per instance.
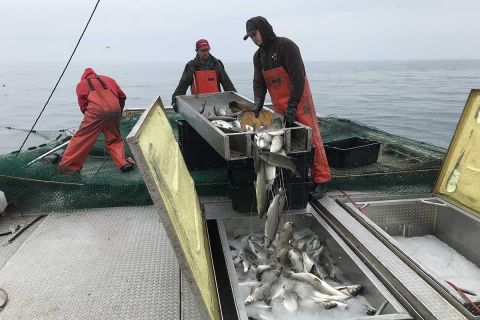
204	74
279	69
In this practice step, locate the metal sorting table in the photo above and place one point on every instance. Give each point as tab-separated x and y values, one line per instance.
233	145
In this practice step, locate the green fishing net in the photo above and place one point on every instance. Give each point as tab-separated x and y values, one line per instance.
403	166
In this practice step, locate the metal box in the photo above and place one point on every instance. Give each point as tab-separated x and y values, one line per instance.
448	217
354	269
234	145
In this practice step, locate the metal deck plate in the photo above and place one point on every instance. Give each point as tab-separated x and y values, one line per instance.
428	302
113	263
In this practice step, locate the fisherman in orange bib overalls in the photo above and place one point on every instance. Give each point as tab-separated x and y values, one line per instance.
204	74
101	101
279	69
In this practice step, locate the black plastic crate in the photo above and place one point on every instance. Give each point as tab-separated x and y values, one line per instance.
187	135
352	152
201	156
242	172
244	198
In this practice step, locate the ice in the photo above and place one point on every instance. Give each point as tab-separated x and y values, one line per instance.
443	262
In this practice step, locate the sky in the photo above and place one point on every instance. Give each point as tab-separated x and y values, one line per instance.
166	31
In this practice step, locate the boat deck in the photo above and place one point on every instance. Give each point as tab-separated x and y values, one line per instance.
111	263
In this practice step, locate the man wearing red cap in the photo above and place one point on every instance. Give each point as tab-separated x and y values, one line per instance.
204	74
279	69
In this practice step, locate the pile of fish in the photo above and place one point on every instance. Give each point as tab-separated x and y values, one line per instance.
290	272
225	120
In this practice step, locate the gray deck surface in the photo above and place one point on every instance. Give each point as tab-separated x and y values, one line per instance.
114	263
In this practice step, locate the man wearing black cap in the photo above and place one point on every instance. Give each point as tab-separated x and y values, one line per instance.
279	69
204	74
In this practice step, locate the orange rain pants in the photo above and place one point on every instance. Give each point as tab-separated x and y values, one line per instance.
279	87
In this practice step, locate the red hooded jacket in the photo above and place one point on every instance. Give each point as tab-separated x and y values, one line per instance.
83	89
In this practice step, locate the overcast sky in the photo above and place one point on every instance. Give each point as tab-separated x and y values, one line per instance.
149	30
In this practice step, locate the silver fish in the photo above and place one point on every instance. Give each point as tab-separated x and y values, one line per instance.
278	160
260	293
222	111
318	284
273	216
270	173
277	144
221	118
282	257
261	191
277	290
351	290
222	124
285	237
295	260
290	301
307	262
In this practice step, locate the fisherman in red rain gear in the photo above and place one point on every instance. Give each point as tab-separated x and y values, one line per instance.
204	74
101	101
279	69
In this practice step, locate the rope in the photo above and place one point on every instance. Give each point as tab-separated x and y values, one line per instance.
42	181
384	173
61	76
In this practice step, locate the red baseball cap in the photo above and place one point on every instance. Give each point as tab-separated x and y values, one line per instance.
202	44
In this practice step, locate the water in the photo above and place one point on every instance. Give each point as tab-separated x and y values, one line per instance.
421	100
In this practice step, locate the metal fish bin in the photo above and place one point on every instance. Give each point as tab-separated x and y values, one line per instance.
232	144
352	270
437	239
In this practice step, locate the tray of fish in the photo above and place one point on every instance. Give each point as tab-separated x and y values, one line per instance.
294	266
226	121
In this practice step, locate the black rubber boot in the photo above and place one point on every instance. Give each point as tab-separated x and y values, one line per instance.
127	167
319	191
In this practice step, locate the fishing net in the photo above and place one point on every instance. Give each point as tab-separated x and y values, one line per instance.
403	166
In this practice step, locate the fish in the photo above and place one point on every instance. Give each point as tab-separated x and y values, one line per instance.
285	237
307	262
290	301
278	160
263	140
222	124
282	257
319	284
261	191
237	260
260	293
261	269
277	124
277	144
258	250
222	111
351	290
295	260
277	289
270	174
221	118
273	216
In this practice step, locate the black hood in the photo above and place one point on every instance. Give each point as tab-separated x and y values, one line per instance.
265	29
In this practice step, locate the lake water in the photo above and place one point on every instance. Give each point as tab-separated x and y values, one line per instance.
421	100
